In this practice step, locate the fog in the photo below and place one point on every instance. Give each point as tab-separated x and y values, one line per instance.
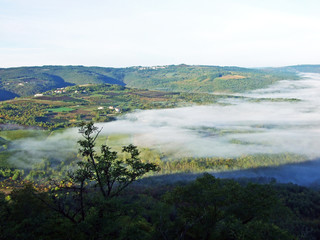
256	127
233	128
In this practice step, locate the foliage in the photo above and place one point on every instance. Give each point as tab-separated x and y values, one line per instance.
94	102
207	208
211	209
105	170
24	81
303	68
110	173
190	164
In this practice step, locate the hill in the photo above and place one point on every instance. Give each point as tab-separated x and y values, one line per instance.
303	68
68	106
26	81
203	78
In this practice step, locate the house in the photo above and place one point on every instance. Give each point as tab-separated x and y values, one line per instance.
38	95
100	108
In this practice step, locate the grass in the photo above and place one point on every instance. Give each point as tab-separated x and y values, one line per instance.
4	157
19	134
60	109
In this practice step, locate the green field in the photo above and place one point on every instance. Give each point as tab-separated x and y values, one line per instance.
60	109
22	133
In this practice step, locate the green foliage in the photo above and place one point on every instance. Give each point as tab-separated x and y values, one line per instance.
94	102
107	170
25	81
207	208
213	209
303	68
60	109
25	113
193	165
203	78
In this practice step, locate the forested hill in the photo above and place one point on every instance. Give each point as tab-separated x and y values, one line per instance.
24	81
303	68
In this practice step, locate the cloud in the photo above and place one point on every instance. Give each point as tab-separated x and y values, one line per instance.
123	33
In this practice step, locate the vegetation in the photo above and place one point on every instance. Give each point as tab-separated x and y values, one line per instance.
26	81
208	208
96	194
204	78
196	165
69	106
97	199
303	68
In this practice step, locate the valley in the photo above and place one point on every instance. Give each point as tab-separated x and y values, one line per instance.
182	132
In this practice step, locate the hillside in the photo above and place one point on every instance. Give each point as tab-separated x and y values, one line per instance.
303	68
26	81
203	78
68	106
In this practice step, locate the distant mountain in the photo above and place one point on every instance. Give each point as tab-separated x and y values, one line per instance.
24	81
304	68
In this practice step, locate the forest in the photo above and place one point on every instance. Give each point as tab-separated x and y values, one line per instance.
26	81
104	197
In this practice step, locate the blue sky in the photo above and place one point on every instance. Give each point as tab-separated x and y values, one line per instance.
121	33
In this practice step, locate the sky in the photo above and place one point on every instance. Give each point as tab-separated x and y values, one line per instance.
122	33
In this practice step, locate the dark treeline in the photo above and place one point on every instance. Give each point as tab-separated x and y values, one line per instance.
207	208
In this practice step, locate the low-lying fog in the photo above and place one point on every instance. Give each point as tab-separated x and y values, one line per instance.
240	127
234	128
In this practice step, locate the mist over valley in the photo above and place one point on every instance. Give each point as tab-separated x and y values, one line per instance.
281	119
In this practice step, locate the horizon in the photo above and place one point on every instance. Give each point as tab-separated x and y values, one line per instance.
132	66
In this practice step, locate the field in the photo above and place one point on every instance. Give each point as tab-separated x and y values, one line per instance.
100	103
60	109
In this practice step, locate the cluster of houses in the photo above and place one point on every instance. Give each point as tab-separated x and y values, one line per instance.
60	90
153	67
117	110
83	91
63	90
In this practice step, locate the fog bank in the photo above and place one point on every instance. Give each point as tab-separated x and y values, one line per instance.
240	127
232	129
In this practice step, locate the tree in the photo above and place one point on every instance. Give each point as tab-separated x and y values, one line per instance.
211	208
105	170
110	173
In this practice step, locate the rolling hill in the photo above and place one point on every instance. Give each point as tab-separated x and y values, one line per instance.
26	81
